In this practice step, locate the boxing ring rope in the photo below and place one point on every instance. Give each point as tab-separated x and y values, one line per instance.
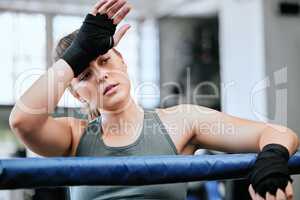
144	170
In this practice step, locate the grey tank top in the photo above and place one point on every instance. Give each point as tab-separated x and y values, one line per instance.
152	140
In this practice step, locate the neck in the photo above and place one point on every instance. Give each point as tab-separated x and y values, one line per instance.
124	121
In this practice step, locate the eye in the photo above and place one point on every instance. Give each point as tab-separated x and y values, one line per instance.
104	61
85	76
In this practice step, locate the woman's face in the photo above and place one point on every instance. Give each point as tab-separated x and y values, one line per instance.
105	84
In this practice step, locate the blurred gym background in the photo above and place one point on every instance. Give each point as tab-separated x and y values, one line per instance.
238	56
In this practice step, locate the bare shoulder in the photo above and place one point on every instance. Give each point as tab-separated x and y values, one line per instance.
185	111
178	123
77	126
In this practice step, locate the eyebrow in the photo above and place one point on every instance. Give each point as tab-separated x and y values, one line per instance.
105	56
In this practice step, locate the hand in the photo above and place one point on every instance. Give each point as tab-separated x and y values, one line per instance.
116	10
97	35
269	177
280	195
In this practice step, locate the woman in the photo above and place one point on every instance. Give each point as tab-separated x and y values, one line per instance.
96	74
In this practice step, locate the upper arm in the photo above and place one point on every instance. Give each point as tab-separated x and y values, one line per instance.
54	138
216	130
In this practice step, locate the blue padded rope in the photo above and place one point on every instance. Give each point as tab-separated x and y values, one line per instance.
143	170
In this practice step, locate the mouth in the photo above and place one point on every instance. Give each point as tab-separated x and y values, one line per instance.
110	87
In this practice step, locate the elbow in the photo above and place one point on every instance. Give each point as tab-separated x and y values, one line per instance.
21	124
14	120
16	123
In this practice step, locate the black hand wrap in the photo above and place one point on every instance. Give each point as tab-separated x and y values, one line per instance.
270	171
94	38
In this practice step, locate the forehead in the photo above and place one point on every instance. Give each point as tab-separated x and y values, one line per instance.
110	53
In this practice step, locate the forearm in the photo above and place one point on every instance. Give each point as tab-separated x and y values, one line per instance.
279	135
34	106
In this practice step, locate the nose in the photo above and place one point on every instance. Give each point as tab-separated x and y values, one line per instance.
101	75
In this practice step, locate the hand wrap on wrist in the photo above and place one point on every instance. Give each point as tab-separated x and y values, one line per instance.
94	38
270	171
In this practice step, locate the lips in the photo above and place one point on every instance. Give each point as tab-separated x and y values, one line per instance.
109	87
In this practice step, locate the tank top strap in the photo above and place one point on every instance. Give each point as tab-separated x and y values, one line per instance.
148	114
153	122
88	141
94	126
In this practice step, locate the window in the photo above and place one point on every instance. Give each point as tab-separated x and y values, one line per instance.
63	25
22	53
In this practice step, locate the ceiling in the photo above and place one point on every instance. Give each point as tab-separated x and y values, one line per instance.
142	8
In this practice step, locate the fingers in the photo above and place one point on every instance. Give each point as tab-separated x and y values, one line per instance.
96	7
115	8
289	191
280	195
251	192
122	14
120	33
270	197
103	9
258	197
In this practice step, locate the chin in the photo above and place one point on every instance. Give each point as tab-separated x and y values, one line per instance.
117	101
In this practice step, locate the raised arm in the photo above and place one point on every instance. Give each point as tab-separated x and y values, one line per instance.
30	118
